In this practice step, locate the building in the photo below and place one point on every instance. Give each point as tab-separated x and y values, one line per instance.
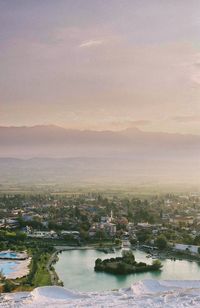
190	248
43	234
187	220
108	227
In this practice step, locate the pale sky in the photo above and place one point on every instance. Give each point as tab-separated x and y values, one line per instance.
101	64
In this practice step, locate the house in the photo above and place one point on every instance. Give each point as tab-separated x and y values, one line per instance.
27	217
182	247
108	227
144	225
43	234
11	223
188	220
74	234
111	229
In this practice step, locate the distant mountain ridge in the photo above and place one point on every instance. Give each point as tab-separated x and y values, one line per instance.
51	133
51	154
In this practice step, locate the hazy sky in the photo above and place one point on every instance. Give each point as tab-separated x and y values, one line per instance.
101	64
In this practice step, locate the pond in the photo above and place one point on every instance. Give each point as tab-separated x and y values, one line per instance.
14	264
7	267
76	269
8	255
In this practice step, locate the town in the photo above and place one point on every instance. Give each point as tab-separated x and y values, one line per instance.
158	221
40	226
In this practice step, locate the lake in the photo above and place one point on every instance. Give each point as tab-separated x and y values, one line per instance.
76	269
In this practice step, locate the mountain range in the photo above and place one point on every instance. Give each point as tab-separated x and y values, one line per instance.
51	154
54	141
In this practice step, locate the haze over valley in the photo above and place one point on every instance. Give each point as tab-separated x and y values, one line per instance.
51	154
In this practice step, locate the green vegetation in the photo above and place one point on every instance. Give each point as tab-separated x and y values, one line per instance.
41	276
125	265
40	253
161	242
8	286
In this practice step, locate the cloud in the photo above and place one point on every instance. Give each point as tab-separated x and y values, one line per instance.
186	119
90	43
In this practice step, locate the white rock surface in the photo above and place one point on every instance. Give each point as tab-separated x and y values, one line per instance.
147	293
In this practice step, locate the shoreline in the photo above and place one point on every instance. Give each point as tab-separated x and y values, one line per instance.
166	255
55	281
86	247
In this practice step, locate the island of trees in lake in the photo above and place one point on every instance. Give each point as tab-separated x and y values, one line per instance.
125	265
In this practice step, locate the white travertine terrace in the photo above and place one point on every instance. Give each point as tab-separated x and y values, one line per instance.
147	293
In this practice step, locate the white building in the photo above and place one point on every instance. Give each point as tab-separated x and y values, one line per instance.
43	234
182	247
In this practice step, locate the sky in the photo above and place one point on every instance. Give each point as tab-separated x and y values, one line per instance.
101	65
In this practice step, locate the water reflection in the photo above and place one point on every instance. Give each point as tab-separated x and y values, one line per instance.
76	269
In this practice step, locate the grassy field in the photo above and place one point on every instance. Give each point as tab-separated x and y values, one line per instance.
42	276
123	190
38	275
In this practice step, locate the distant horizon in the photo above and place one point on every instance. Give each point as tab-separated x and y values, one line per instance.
96	130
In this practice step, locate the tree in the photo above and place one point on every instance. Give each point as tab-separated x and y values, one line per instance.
143	236
8	286
121	268
133	241
161	242
128	256
100	235
118	241
157	264
98	262
21	236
